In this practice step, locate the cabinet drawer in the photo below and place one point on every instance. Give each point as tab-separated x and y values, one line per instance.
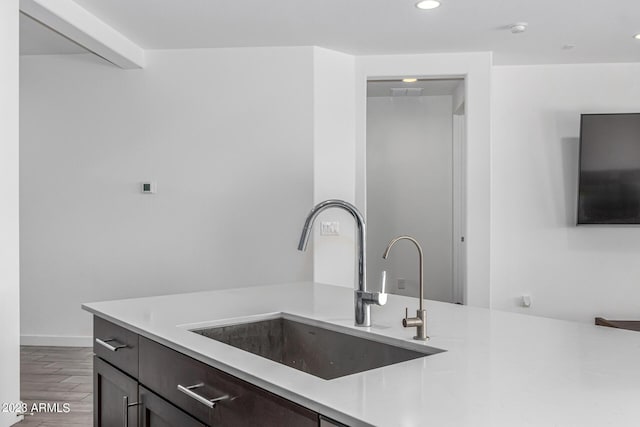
116	345
163	370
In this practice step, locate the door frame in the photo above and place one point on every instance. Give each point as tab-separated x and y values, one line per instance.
458	173
475	69
459	140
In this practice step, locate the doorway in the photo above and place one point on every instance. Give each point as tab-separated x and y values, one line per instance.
415	183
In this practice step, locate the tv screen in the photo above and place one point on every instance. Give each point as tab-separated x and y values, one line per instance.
609	183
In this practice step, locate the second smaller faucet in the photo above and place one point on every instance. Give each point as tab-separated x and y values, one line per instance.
420	321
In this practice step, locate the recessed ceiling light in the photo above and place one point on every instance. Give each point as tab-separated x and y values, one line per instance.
410	80
518	27
428	4
637	36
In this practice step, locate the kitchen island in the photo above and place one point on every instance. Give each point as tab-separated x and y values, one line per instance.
497	368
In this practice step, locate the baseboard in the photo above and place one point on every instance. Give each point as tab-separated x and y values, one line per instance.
56	341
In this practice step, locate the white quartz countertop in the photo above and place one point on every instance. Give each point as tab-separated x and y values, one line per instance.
499	368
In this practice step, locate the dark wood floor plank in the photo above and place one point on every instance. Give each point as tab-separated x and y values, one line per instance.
74	371
58	386
82	387
69	364
50	395
78	379
40	378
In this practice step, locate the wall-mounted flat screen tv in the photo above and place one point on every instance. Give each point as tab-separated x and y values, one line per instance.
609	183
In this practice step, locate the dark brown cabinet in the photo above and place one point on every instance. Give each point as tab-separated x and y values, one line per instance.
139	382
157	412
113	392
326	422
116	345
166	371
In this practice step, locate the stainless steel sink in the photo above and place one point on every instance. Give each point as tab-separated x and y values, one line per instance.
316	350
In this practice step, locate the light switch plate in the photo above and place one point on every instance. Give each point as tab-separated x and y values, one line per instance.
148	187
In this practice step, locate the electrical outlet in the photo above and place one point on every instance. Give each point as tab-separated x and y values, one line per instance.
402	283
330	228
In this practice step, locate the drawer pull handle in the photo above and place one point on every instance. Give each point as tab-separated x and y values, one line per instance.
110	347
210	403
125	409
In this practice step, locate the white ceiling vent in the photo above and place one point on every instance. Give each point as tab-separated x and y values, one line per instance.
406	91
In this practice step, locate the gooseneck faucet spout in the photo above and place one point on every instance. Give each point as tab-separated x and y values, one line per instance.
363	299
420	321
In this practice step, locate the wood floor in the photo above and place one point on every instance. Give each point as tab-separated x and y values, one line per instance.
57	375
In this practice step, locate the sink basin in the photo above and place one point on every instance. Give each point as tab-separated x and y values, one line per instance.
316	350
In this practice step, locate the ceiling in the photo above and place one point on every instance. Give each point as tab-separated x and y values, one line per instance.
379	88
601	31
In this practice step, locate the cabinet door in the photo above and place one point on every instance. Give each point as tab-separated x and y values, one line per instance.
112	392
157	412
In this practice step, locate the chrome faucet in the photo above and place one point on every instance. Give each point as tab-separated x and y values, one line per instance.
420	321
362	298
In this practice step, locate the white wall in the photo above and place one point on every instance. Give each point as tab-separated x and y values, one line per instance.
223	141
227	134
9	221
476	69
410	191
571	272
333	164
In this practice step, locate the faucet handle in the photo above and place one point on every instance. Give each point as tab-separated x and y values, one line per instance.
383	284
410	322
